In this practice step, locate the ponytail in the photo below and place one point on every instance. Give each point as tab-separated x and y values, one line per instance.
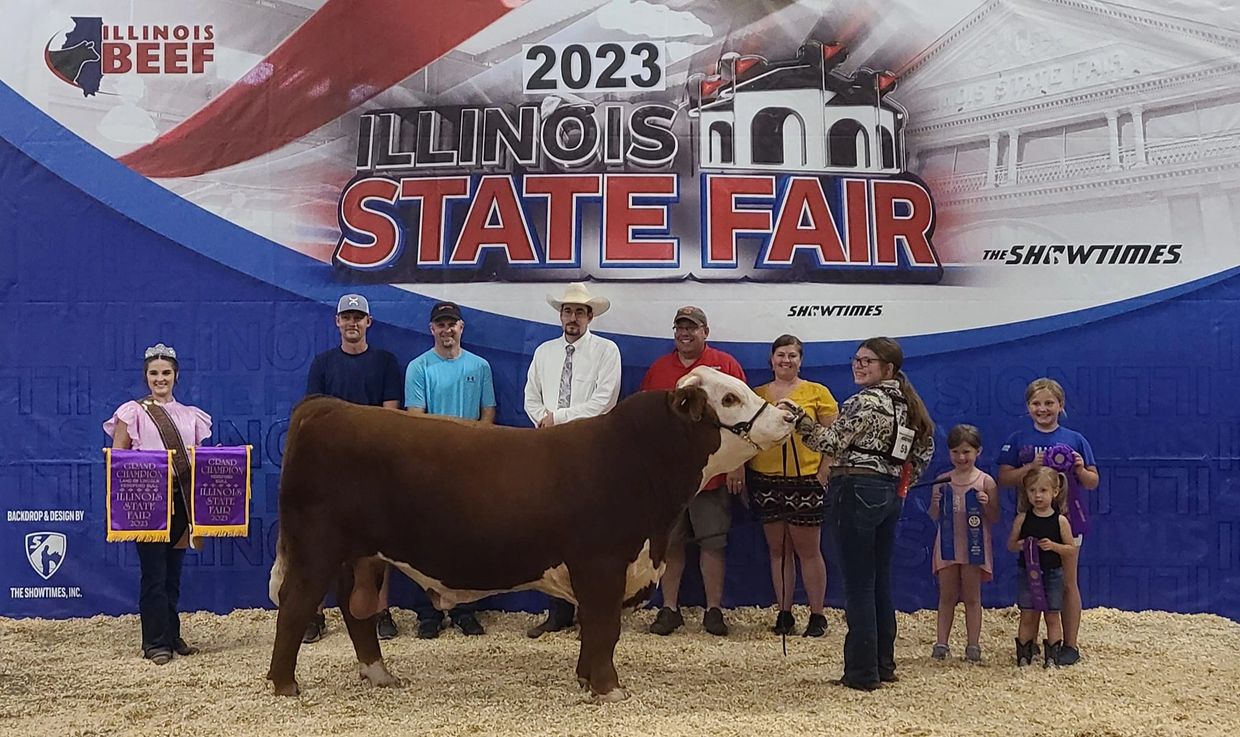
1061	494
919	416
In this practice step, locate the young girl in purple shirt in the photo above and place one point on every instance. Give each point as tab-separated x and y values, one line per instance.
1024	451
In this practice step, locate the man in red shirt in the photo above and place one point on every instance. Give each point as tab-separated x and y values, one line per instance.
710	513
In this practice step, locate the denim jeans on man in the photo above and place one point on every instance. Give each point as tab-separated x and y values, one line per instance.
861	516
160	588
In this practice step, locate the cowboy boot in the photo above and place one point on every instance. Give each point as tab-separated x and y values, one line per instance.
1052	653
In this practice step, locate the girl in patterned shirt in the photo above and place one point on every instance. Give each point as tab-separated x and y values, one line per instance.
881	442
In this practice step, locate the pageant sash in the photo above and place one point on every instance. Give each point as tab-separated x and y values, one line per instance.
219	500
947	523
1060	458
973	535
139	495
171	438
1033	570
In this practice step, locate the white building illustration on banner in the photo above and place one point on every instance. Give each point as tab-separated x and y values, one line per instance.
1056	121
798	115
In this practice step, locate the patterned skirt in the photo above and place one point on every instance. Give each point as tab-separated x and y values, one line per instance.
797	500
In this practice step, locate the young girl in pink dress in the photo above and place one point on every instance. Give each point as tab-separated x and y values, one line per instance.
959	564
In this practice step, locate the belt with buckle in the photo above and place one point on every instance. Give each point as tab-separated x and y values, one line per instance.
853	471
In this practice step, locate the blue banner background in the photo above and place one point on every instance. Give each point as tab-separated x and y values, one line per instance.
89	276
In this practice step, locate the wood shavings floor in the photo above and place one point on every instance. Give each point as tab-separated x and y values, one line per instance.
1148	673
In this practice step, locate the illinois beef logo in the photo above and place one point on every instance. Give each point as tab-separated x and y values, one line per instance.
93	48
762	171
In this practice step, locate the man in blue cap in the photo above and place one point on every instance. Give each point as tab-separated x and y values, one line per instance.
356	373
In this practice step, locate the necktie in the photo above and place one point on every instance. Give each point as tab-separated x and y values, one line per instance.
566	378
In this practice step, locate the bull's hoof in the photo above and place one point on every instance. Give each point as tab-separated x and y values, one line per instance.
613	696
377	674
287	689
583	682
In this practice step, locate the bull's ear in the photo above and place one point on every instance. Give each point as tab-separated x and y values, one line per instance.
689	401
689	380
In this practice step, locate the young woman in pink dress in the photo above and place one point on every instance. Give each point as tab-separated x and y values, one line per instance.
136	425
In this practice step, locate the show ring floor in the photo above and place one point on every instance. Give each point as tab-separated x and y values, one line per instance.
1147	673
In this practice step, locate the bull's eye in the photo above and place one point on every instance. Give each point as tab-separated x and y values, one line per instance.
731	400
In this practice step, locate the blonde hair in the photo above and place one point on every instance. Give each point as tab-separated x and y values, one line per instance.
1050	385
1040	473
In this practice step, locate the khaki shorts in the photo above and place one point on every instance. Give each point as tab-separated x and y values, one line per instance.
708	517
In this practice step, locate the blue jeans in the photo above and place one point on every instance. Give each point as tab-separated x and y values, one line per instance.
861	517
158	592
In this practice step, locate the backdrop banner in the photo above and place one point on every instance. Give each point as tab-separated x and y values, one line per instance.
1013	188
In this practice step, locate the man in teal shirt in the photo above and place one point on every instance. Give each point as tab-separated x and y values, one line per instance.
449	380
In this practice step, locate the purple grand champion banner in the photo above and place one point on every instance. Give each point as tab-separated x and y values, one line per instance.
220	500
139	495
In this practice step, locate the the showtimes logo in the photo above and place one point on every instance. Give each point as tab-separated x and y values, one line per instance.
834	310
1160	254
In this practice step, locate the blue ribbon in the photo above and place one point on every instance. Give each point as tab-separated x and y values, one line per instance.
973	518
947	522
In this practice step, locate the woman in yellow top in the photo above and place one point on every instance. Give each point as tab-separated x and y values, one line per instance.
783	482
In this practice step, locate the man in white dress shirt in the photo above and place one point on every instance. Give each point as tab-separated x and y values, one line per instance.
573	376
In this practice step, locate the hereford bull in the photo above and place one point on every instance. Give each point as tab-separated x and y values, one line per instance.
582	511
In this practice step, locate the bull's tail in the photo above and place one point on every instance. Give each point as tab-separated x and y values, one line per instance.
308	409
278	569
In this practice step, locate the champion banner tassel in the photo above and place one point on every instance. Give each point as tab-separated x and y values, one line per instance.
220	491
139	495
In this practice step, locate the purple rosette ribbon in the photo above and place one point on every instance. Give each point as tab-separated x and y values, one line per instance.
1060	457
1033	571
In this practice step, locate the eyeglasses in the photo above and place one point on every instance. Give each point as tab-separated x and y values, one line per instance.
864	362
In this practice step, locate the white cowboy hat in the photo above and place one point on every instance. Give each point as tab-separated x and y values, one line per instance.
577	294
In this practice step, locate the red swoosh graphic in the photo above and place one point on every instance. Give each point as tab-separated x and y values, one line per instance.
346	53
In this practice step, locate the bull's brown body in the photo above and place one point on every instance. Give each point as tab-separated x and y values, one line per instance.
476	510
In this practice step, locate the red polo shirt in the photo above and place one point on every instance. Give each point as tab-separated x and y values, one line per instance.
668	369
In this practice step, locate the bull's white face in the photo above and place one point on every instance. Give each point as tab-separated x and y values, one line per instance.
736	403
